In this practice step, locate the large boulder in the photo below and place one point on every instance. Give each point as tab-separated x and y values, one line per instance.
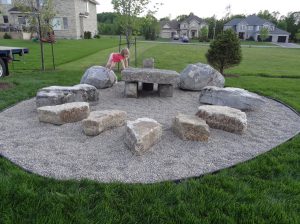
99	76
197	76
142	134
190	127
64	113
55	95
231	97
224	118
99	121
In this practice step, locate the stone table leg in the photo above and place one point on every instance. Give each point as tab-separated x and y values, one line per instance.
165	90
131	89
148	86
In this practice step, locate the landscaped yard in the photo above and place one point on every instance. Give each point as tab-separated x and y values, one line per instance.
263	190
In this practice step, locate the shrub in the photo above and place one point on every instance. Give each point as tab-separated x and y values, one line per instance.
97	36
6	36
87	35
225	51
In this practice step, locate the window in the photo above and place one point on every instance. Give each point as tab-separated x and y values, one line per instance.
60	23
5	2
5	19
243	27
21	20
250	27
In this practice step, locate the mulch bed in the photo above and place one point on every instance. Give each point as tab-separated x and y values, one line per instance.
4	86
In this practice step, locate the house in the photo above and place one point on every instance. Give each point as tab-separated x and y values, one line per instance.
249	28
72	19
190	27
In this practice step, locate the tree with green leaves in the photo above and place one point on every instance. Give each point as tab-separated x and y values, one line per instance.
203	34
128	11
225	51
264	33
297	35
39	14
150	27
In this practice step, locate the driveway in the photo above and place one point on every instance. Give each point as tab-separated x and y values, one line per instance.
288	45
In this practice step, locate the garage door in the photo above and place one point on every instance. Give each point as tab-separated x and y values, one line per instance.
282	39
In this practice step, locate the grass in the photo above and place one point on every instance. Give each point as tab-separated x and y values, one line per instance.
263	190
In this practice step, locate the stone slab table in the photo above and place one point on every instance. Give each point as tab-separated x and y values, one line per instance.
166	80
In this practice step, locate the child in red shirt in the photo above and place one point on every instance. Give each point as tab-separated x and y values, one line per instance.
122	57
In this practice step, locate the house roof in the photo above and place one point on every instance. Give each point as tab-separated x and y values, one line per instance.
255	20
173	24
277	31
234	22
193	17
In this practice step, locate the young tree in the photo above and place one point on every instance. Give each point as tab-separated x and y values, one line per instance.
150	27
225	51
297	35
203	34
128	11
40	14
264	33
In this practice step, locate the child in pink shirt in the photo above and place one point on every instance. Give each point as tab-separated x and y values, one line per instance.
122	57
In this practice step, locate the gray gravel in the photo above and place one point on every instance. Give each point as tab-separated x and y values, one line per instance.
64	152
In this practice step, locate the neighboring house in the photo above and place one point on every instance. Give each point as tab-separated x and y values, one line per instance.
190	27
249	28
73	17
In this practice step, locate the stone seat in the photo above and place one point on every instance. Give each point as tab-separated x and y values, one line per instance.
231	97
99	121
166	80
190	127
224	118
64	113
142	134
55	95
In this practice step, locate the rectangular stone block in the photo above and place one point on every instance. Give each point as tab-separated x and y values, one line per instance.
131	89
148	63
224	118
190	127
165	90
100	121
64	113
142	134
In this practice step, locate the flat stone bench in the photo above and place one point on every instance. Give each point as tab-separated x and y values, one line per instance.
100	121
142	134
64	113
166	80
224	118
190	127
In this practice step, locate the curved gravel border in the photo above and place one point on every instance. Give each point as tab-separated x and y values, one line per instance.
64	152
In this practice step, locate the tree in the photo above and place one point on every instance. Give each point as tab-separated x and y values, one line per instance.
128	11
297	35
265	14
40	14
203	34
150	27
181	18
225	51
264	33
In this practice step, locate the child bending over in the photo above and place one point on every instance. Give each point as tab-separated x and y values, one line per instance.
122	57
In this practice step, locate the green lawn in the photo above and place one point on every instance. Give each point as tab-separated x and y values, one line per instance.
263	190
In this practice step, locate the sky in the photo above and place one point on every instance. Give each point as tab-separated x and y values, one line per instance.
208	8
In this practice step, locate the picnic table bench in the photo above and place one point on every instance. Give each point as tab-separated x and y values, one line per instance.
166	80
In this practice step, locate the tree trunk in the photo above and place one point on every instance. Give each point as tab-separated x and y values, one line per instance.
41	43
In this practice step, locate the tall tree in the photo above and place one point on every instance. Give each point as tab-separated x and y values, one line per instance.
272	17
181	18
264	33
150	27
224	51
128	11
40	14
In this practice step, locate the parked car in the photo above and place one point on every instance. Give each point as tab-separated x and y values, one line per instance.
175	37
185	39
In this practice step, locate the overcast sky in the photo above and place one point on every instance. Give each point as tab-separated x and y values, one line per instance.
207	8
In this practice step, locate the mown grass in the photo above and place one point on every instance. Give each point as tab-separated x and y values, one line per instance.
263	190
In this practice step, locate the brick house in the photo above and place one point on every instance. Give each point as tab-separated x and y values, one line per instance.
250	27
190	27
73	17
